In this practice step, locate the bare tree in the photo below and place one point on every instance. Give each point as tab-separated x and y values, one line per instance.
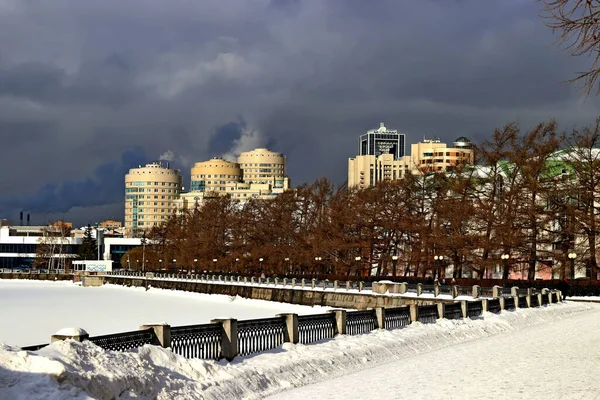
578	25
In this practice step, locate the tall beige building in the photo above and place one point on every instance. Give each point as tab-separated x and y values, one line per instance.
365	171
151	195
212	176
263	166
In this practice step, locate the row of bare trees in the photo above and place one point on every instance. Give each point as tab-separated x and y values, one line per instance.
532	196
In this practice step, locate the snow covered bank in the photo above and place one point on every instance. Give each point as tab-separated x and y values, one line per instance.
42	308
73	370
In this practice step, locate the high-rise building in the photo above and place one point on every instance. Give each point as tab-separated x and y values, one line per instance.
151	195
213	175
263	166
365	171
381	141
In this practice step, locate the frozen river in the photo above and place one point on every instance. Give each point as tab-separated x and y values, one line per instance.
31	311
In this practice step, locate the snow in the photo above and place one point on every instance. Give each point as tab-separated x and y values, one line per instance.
521	354
71	332
42	308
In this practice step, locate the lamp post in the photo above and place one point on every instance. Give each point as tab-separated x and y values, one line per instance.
160	263
394	262
237	269
174	264
357	259
195	264
572	257
287	261
144	265
435	265
317	260
128	267
137	265
260	260
214	264
504	258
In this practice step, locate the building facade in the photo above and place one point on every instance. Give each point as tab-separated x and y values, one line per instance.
381	141
365	171
151	195
432	155
213	175
263	166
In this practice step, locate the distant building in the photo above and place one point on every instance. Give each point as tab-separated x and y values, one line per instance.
381	141
380	158
111	224
212	175
431	155
62	224
151	195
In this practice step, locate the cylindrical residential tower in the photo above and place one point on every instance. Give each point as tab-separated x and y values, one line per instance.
262	166
213	175
151	193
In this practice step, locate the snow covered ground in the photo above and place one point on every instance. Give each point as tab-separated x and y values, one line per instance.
32	311
542	353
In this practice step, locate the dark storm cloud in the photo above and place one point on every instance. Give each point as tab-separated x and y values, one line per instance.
104	186
82	81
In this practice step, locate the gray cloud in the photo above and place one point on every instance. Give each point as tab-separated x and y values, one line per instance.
82	82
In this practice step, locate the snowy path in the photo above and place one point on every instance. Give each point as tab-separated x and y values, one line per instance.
553	360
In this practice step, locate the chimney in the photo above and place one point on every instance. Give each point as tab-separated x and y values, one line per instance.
21	217
28	218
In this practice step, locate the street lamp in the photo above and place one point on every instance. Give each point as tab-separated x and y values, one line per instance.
174	264
214	264
160	263
195	264
137	265
435	264
357	259
318	260
260	260
394	262
572	257
287	261
505	258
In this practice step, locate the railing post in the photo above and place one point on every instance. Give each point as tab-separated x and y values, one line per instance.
454	291
440	307
313	283
293	282
361	284
303	283
529	291
419	289
340	321
476	291
325	284
276	281
436	291
501	298
162	332
539	296
463	307
267	281
528	299
347	285
403	287
252	280
77	334
516	299
291	333
284	282
335	285
414	313
380	315
496	291
514	291
484	305
229	338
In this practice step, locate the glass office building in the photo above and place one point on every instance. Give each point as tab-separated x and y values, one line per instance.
382	141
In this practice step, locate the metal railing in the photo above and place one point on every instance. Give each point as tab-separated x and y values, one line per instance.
452	311
398	317
358	322
313	328
428	314
126	340
259	335
474	309
494	306
197	341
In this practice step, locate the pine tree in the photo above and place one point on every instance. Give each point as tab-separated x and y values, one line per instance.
87	249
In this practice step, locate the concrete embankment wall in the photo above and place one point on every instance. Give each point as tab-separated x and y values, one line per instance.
37	277
299	296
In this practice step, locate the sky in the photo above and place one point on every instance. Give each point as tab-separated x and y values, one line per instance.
91	89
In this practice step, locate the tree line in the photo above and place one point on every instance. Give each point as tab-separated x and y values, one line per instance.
532	196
